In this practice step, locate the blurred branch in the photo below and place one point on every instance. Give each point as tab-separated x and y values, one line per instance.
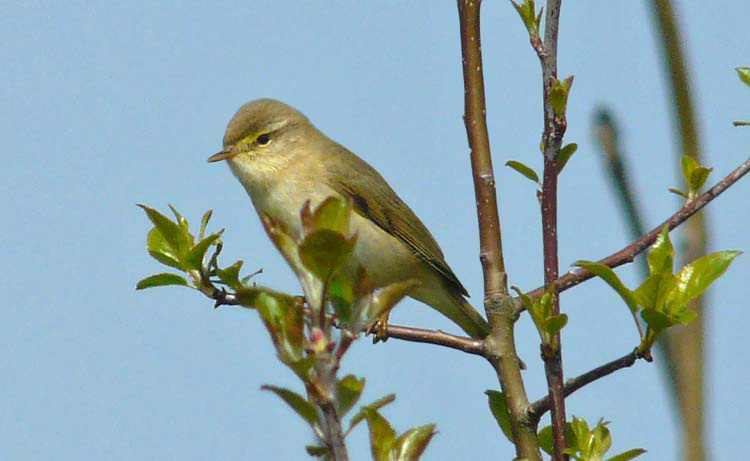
685	344
628	254
499	306
607	134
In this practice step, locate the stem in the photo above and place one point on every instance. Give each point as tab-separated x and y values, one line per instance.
554	130
500	346
541	406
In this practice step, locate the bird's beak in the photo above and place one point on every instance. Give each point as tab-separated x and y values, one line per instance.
223	155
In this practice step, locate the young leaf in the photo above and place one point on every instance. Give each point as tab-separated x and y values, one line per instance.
324	251
176	237
333	214
558	97
555	323
376	405
411	444
298	403
694	278
194	258
160	250
697	179
528	16
628	455
348	391
499	408
528	172
546	440
744	74
661	254
204	223
565	153
678	192
231	275
382	435
161	280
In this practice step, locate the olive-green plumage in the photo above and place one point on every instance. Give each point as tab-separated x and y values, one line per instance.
283	161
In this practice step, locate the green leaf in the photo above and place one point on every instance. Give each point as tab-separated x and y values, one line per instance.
499	408
317	450
284	322
602	439
160	250
654	291
744	74
694	278
341	295
565	153
333	214
609	276
656	321
555	323
528	172
558	96
204	223
176	237
661	254
194	258
248	296
688	165
628	455
161	280
348	391
678	192
410	445
697	179
298	403
231	275
324	251
380	403
546	440
382	435
528	16
182	222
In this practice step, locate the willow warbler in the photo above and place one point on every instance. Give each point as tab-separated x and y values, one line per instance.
282	160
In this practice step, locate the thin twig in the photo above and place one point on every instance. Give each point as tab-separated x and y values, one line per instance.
541	406
628	254
500	344
554	130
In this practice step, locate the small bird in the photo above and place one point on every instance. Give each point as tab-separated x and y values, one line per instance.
283	161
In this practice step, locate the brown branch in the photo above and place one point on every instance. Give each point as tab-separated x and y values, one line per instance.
498	304
554	130
541	406
437	337
628	254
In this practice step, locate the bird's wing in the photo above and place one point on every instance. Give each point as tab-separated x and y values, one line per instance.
374	199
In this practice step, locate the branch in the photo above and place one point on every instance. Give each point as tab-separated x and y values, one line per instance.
437	337
555	125
541	406
498	304
628	254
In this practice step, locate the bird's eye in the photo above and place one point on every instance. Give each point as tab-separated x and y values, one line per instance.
263	139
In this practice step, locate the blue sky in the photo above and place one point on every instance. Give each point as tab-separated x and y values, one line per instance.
107	105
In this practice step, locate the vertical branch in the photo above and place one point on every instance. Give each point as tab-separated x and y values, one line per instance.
554	130
500	344
685	344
